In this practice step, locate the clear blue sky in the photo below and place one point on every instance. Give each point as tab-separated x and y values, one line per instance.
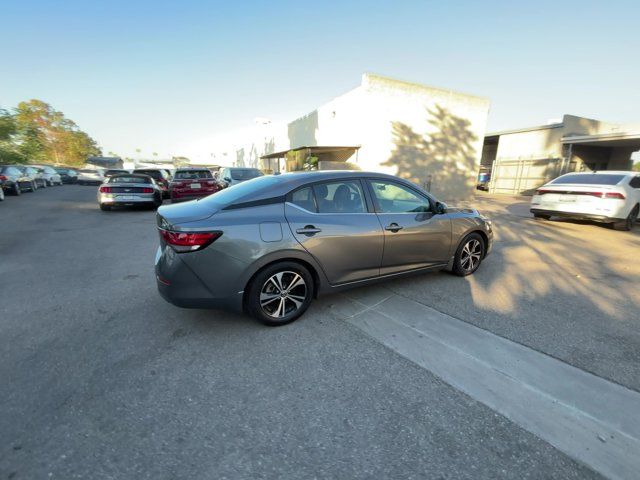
158	74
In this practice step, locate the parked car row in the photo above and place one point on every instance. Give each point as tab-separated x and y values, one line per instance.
15	179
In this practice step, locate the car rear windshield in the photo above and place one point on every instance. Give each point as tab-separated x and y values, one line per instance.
152	173
245	173
242	191
131	179
192	174
590	179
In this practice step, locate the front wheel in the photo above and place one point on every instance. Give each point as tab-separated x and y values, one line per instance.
280	293
105	208
16	189
469	255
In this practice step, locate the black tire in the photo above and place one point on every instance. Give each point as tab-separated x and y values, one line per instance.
541	216
469	255
16	189
280	306
627	224
105	208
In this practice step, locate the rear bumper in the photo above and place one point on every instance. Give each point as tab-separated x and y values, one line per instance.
116	200
180	286
185	197
578	216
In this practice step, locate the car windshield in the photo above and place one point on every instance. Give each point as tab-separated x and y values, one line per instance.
192	174
88	170
129	179
590	179
245	173
236	192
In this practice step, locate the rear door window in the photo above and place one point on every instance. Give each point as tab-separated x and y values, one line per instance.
339	197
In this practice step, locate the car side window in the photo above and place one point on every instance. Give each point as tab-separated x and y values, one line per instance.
635	182
395	198
304	198
339	197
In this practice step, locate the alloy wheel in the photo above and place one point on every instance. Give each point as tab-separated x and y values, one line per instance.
471	255
283	294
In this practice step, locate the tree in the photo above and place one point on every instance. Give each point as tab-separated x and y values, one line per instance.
44	134
8	152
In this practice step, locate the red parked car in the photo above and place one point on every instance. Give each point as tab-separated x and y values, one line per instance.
192	183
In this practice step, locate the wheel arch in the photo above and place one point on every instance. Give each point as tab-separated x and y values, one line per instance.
294	256
483	235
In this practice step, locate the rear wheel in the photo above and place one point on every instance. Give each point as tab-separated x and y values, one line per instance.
469	255
280	293
627	224
541	216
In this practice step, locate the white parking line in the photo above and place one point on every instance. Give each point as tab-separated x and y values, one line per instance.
590	419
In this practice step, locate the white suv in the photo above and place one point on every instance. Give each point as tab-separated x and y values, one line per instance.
606	196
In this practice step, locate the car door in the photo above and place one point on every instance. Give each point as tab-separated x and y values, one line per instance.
414	235
333	222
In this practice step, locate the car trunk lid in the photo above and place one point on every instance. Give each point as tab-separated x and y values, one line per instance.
170	217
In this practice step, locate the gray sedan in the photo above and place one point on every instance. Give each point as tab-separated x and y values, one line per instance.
268	246
127	189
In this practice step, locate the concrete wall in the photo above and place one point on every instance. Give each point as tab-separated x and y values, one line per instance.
427	135
542	142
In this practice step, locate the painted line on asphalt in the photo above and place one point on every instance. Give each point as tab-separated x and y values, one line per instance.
594	421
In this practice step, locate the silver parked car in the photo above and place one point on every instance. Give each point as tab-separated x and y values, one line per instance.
268	246
48	174
230	176
129	189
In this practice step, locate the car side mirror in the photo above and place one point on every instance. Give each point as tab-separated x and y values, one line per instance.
227	179
441	208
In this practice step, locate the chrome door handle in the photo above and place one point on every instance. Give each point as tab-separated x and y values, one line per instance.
394	227
308	230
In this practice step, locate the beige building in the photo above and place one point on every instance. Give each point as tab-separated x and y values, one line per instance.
522	160
428	135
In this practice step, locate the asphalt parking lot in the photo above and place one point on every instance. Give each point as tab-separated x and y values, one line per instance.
103	379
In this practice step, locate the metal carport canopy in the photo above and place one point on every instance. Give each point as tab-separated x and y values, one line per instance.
616	139
316	149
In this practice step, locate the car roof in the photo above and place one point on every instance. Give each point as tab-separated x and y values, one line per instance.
605	172
282	184
186	169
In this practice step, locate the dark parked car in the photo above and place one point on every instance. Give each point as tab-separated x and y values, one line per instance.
160	176
33	174
68	175
192	183
268	246
15	181
127	190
